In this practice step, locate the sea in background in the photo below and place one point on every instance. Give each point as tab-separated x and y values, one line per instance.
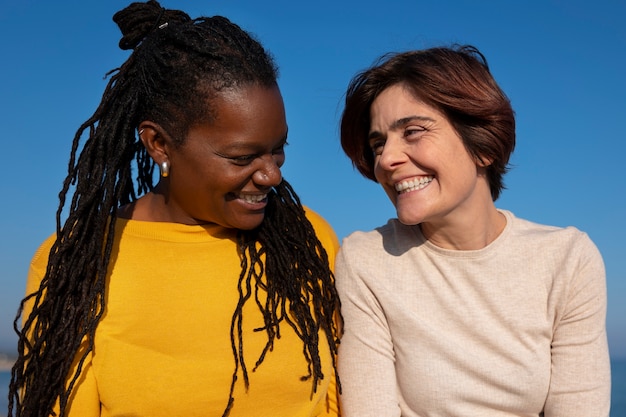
618	391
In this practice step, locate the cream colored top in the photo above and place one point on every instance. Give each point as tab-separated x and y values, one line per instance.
514	329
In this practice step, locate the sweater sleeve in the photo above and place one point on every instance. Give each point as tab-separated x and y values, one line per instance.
84	400
580	382
325	234
366	357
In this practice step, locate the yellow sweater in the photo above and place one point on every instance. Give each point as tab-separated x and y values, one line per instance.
163	346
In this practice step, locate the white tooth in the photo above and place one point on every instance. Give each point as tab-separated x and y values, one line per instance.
252	198
412	185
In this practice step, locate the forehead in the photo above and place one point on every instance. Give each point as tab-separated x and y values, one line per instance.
396	103
244	116
250	103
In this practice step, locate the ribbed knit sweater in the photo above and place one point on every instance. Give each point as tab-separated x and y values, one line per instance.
514	329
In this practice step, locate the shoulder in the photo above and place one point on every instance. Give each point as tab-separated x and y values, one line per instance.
40	258
540	231
324	231
39	264
373	260
569	242
392	237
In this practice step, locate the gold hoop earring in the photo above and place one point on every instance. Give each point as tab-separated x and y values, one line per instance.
165	169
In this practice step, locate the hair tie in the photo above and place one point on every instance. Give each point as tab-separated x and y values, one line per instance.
158	19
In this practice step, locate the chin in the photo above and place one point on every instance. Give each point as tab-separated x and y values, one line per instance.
249	224
409	219
408	222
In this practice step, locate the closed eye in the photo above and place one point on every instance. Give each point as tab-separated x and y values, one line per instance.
377	145
411	131
280	150
243	159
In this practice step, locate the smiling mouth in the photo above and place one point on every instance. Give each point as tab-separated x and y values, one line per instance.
253	198
413	185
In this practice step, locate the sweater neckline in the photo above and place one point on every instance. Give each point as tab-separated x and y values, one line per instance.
173	232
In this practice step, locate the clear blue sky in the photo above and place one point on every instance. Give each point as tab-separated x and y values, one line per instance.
562	63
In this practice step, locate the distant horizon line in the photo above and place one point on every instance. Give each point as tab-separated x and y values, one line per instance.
8	360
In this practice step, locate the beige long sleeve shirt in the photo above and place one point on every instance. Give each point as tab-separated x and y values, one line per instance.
514	329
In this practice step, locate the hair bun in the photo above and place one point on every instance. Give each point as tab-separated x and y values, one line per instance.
138	20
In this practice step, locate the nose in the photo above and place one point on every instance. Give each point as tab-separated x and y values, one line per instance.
268	174
391	156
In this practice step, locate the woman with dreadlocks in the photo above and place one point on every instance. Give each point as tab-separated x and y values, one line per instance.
209	293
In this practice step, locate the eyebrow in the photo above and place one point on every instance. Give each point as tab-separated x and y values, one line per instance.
246	146
254	143
399	123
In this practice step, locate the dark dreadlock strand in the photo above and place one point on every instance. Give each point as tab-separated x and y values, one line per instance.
314	303
169	78
296	281
70	300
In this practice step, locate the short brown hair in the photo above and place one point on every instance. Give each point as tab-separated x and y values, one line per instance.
455	80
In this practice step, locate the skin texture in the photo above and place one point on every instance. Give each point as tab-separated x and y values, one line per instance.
413	141
238	154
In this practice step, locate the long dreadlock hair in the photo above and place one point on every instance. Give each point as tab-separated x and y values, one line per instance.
176	66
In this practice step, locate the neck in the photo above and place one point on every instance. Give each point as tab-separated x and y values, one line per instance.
156	207
471	231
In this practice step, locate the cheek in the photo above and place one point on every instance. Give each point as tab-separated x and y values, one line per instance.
392	195
378	171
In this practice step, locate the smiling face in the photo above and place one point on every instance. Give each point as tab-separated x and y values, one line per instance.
225	168
421	161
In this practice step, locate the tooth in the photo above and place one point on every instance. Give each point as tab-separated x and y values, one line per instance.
252	198
414	184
